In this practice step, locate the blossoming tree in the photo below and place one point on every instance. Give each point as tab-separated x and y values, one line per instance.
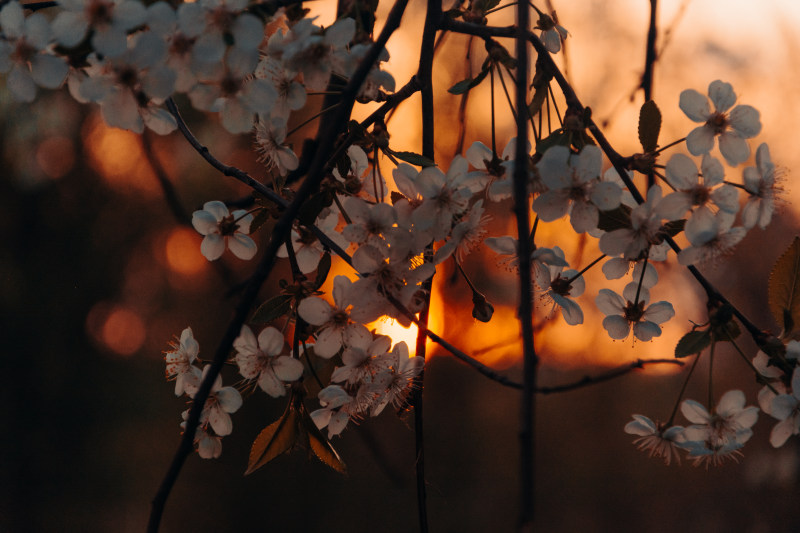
255	63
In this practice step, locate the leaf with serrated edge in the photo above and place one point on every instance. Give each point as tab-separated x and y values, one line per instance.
277	438
784	284
321	447
649	125
692	343
414	159
272	309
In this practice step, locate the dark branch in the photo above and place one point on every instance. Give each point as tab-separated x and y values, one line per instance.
606	376
281	231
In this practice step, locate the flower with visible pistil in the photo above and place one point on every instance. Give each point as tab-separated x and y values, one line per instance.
261	359
713	437
574	187
625	312
732	128
760	182
656	439
180	365
221	228
336	329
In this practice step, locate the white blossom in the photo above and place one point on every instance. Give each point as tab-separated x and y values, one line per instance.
222	229
742	122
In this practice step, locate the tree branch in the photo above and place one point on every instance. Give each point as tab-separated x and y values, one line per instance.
281	231
606	376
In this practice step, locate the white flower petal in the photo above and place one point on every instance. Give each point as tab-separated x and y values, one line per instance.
695	105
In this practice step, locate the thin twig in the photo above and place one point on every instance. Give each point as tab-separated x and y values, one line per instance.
650	53
619	162
606	376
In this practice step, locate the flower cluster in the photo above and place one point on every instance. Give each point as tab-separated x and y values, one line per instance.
215	419
255	68
712	437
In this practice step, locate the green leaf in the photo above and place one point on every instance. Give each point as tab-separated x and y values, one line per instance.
617	218
272	309
649	125
414	159
784	285
467	84
323	268
274	440
692	343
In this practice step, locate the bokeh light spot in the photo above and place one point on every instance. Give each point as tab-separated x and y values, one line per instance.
56	156
182	251
116	328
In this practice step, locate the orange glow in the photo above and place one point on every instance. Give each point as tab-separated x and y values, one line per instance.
56	156
116	328
118	157
182	250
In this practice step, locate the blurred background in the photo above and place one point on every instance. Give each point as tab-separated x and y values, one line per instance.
96	277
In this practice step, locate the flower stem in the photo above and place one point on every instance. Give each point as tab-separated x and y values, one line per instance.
670	145
311	119
590	265
683	389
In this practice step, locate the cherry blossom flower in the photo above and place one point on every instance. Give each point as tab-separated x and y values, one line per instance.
23	53
376	80
339	407
713	437
397	377
291	94
733	127
541	258
316	53
221	229
496	172
229	88
786	408
645	230
209	446
361	360
307	248
682	174
465	235
710	237
398	278
760	182
656	439
370	223
552	33
108	21
131	86
270	135
444	196
625	312
336	329
261	359
220	403
180	365
562	287
213	25
575	187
